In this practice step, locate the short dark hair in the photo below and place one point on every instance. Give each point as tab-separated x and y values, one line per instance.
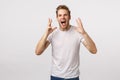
62	7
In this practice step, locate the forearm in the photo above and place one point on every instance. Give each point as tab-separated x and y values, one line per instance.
89	43
41	44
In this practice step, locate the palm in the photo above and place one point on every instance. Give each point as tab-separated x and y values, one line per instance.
50	29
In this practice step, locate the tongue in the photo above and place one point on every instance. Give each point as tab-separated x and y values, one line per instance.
63	24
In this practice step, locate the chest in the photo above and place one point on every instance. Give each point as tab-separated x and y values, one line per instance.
65	40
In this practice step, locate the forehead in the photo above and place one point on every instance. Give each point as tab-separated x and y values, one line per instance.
62	11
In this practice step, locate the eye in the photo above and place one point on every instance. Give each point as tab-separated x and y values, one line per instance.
65	14
59	15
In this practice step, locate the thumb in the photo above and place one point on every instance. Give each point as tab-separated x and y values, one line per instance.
54	28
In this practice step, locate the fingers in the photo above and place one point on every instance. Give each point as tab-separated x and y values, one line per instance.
49	22
79	22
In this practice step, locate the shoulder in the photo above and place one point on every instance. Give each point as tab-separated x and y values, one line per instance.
73	28
53	33
75	31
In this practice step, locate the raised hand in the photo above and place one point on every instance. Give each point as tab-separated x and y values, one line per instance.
79	27
50	29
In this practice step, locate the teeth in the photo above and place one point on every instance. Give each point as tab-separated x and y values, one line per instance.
62	22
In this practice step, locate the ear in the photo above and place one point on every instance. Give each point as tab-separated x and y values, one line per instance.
56	15
56	18
70	16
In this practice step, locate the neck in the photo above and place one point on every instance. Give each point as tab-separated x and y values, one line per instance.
65	29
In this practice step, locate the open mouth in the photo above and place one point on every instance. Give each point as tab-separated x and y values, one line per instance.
63	22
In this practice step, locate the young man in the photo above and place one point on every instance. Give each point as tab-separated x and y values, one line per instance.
65	42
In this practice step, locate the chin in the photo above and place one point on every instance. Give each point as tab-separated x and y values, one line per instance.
63	27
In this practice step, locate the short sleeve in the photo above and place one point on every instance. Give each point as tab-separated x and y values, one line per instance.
81	38
51	35
50	38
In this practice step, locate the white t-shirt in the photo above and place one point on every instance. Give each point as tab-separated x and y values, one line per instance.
65	52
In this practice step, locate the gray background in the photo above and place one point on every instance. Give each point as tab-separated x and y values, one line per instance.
23	22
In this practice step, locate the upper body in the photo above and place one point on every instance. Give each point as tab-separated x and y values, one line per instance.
65	43
65	52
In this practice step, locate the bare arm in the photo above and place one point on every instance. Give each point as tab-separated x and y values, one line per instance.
88	42
43	42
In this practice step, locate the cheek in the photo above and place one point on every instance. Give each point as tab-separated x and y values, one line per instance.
68	18
57	19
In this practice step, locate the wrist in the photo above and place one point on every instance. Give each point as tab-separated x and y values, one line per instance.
46	33
83	33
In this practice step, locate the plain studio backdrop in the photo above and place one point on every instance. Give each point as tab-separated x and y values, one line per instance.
23	22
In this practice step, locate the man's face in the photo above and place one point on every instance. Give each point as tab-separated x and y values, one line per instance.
63	18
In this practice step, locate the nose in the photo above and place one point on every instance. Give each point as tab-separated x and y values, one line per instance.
62	16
